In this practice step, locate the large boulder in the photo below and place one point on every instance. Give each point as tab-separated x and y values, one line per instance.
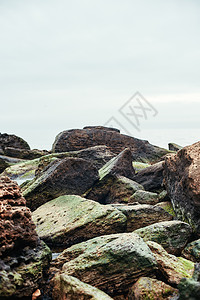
172	235
77	139
182	180
151	177
23	257
111	263
72	219
11	140
189	288
141	215
62	177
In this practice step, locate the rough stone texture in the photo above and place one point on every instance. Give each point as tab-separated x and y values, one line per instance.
149	288
144	197
119	165
111	263
139	216
182	180
170	267
23	258
172	235
66	176
77	139
11	140
71	219
3	164
24	153
189	288
192	251
151	177
70	288
174	147
167	206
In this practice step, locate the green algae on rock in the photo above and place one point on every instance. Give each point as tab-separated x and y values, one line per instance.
172	235
71	219
111	262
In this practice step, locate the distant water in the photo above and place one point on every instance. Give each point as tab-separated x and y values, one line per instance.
161	137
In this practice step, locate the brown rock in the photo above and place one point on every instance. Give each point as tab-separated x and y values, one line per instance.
63	177
11	140
24	153
182	180
151	177
77	139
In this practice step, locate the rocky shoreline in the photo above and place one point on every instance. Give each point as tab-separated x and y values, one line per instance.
123	214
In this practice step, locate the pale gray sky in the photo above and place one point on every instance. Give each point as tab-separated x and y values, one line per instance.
67	64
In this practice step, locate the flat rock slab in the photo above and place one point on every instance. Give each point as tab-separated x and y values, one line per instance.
182	181
77	139
111	263
71	219
70	288
172	235
139	216
171	267
63	177
144	197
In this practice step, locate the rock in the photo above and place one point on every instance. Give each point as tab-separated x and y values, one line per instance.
23	257
151	177
149	288
62	177
172	235
174	147
138	166
182	181
139	216
71	219
113	189
70	288
167	206
192	251
24	153
170	267
189	288
119	165
77	139
11	140
111	263
3	165
144	197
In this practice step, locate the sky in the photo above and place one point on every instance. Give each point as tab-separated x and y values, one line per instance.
69	64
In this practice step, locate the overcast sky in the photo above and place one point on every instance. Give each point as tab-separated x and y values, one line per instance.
67	64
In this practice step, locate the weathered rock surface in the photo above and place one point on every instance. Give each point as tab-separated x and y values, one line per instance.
119	165
70	288
139	216
77	139
62	177
144	197
111	263
172	235
174	147
11	140
189	288
182	180
3	164
192	251
170	267
23	257
72	219
167	206
24	153
153	289
151	177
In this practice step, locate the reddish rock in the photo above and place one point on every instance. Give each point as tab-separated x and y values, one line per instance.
182	180
24	153
77	139
16	227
